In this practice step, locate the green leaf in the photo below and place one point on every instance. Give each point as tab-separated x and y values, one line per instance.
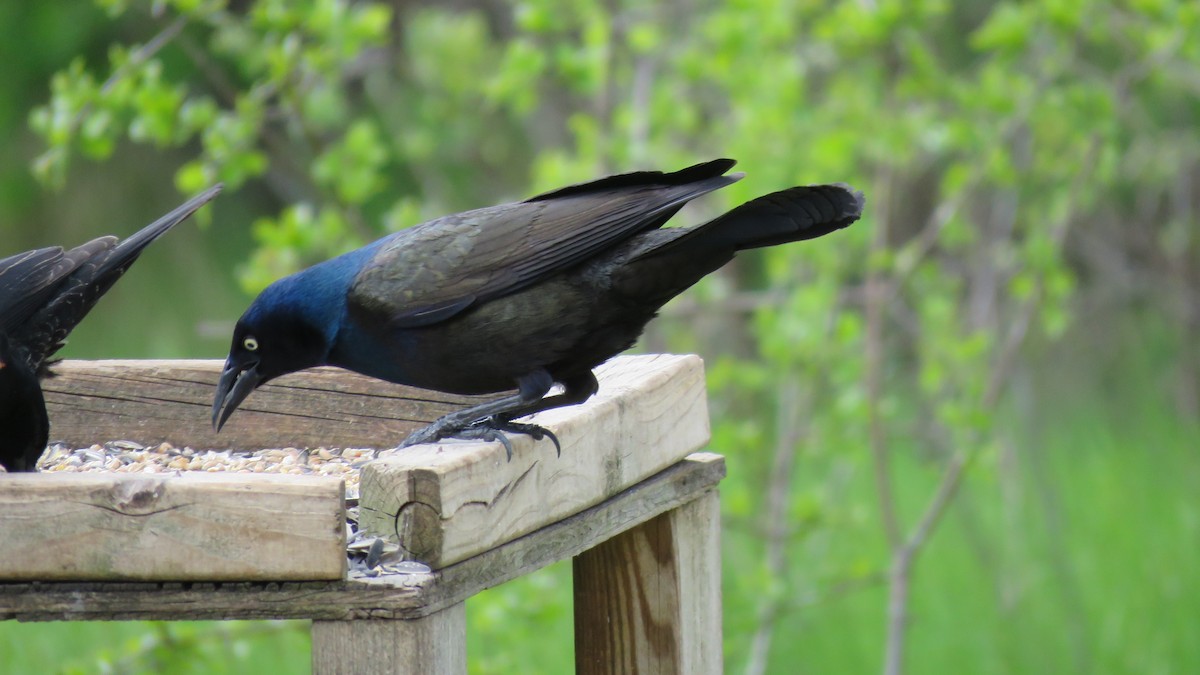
1007	28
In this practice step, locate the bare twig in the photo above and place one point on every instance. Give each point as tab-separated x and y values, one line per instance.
839	589
137	58
876	294
900	574
1002	367
927	238
903	558
904	551
787	440
143	53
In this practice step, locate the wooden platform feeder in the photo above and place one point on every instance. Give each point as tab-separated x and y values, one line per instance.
630	500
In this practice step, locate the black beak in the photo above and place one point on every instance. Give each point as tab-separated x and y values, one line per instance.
236	383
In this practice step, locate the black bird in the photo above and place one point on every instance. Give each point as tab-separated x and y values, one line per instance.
520	295
44	294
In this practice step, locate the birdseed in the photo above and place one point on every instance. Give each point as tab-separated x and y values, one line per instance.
132	457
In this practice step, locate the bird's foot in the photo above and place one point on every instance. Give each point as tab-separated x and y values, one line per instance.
534	431
486	429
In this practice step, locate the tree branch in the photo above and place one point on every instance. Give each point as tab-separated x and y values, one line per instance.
900	575
787	441
137	58
877	291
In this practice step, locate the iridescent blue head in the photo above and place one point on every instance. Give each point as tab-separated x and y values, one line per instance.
290	326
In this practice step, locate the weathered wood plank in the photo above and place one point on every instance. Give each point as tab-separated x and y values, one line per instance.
698	473
194	526
447	502
649	599
155	401
385	597
432	645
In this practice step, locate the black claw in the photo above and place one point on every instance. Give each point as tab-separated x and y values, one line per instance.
479	432
534	431
508	449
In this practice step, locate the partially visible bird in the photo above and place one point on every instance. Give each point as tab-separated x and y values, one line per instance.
44	294
24	425
521	295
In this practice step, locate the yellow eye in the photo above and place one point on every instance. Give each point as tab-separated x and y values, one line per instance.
250	344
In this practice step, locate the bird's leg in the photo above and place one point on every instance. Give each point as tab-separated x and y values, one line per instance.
576	389
472	422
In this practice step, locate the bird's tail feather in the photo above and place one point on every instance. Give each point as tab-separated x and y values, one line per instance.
794	214
132	246
95	274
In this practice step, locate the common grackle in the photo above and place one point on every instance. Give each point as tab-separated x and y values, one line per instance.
521	295
44	294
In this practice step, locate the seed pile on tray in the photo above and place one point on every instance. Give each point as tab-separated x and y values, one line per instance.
132	457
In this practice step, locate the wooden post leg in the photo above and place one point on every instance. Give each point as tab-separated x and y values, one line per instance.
433	645
649	599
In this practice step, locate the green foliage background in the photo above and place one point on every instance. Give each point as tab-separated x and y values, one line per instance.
1012	326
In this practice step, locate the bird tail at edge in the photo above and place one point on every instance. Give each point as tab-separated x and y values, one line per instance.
129	248
92	278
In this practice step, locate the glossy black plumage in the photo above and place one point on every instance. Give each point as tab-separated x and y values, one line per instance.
44	294
519	295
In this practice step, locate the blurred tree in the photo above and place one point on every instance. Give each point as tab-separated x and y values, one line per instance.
81	31
996	141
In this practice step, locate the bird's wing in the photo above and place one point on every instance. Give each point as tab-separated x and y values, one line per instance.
94	267
433	271
21	277
29	280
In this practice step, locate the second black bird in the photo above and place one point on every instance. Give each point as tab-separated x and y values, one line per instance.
520	295
44	294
